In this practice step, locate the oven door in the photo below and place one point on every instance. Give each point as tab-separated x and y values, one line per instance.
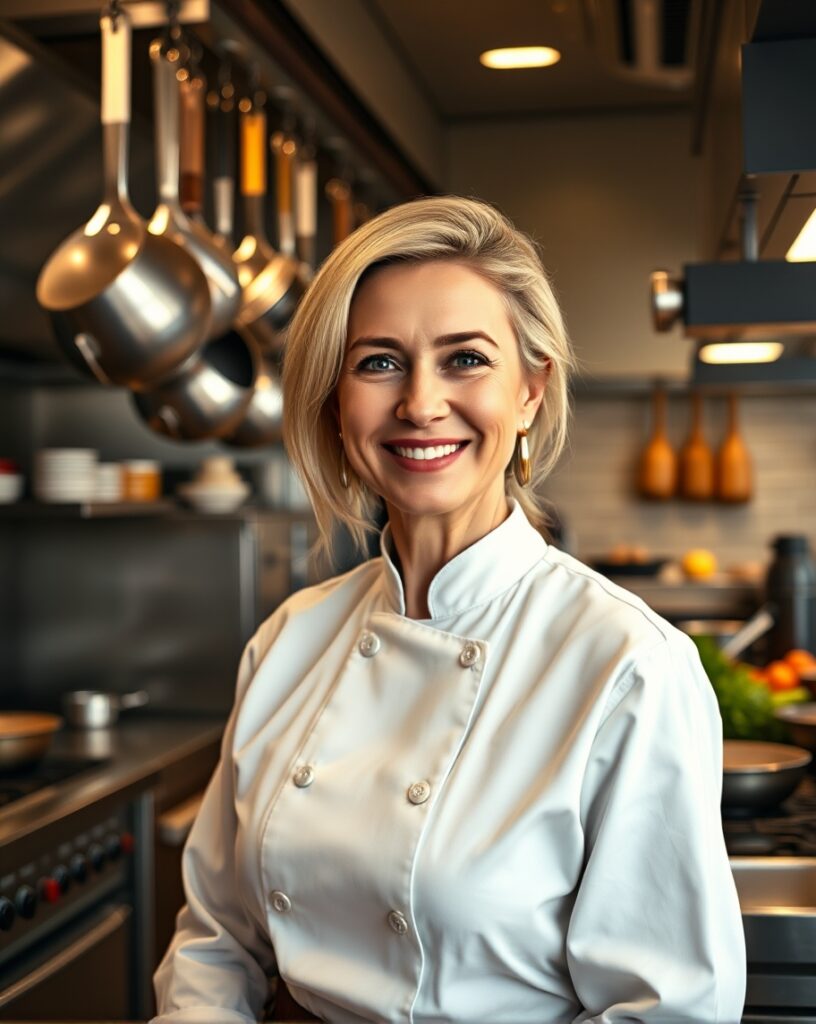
82	973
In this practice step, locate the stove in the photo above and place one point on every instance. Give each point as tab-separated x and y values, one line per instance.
22	782
788	830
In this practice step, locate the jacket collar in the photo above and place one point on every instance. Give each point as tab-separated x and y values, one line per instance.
477	574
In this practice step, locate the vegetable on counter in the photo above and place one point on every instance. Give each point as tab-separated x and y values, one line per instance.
747	698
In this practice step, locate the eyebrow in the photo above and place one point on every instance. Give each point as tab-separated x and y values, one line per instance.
440	342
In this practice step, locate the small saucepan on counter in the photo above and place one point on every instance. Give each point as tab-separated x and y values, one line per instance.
801	721
94	709
759	775
25	737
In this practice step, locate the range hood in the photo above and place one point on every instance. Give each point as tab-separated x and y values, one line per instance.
752	299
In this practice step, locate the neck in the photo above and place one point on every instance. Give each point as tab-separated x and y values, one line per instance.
426	543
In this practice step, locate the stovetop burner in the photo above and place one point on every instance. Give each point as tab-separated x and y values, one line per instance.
14	785
785	831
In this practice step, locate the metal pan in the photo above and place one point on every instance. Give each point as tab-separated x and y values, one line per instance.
128	307
94	709
801	720
760	775
25	737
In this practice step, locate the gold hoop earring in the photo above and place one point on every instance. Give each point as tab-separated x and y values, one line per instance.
522	466
344	472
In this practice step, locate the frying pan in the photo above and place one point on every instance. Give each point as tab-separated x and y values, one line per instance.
25	736
760	775
272	283
128	307
169	219
263	418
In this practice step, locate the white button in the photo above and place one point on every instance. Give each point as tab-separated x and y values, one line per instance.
281	902
397	922
303	776
419	792
470	655
369	644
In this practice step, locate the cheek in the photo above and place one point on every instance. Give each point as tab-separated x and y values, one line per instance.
361	410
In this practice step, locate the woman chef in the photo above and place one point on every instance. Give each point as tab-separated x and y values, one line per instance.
471	780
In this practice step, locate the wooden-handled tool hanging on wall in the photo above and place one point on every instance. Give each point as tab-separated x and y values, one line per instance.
657	474
696	458
734	473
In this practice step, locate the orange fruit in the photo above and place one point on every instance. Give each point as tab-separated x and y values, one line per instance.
781	676
758	675
699	564
800	661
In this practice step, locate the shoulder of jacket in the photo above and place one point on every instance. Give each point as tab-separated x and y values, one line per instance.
333	596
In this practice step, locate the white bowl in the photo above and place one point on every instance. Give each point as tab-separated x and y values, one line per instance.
205	498
11	487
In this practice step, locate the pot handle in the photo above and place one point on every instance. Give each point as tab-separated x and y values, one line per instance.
191	92
253	153
166	111
115	69
759	624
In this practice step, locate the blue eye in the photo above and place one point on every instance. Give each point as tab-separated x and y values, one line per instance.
376	364
468	360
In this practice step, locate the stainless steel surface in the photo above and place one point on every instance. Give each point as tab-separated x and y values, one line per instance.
169	220
262	420
94	709
775	885
127	306
209	396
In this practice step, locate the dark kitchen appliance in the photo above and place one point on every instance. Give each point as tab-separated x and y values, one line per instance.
791	590
76	939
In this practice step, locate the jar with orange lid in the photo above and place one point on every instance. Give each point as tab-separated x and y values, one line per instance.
141	480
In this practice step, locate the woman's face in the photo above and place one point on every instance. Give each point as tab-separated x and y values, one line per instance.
432	391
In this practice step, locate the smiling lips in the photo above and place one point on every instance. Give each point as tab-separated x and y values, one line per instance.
425	456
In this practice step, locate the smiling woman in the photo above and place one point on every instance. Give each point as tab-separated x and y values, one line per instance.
471	780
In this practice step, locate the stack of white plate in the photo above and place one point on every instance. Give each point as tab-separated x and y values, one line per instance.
65	474
108	482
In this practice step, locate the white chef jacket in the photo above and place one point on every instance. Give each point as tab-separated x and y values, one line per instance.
506	813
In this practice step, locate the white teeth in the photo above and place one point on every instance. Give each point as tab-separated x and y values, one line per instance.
425	454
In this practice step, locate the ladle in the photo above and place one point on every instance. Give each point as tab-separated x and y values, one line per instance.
169	219
128	307
272	283
208	397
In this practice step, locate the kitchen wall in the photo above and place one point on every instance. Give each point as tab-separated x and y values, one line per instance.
593	486
609	197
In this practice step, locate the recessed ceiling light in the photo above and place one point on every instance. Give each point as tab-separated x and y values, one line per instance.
804	245
520	57
742	352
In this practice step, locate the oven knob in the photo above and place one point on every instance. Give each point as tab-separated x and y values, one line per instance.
127	841
62	877
7	914
26	901
96	855
79	867
49	890
113	847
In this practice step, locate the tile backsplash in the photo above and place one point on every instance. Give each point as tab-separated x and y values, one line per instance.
593	487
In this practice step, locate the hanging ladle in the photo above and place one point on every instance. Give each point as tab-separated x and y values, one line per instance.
128	307
169	220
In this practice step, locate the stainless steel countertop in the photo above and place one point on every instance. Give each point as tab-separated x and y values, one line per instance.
139	747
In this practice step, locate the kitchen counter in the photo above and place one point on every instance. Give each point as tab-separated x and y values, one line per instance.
136	751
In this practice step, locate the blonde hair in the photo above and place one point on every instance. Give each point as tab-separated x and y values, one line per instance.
467	231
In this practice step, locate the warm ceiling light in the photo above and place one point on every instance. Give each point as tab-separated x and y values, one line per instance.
804	246
520	57
742	352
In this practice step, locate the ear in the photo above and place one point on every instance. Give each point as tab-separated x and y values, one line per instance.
532	392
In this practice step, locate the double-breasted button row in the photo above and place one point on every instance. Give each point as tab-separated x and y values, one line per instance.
370	645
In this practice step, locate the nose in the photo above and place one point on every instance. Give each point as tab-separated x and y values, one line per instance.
423	397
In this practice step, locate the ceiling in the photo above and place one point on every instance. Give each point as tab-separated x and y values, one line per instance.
440	42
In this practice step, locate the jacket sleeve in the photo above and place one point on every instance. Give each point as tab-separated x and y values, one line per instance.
656	931
217	966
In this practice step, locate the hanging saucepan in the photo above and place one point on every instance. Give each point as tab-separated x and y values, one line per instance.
128	307
169	220
272	282
306	206
263	419
208	397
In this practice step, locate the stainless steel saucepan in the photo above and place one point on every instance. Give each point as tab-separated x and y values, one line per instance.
128	307
93	709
